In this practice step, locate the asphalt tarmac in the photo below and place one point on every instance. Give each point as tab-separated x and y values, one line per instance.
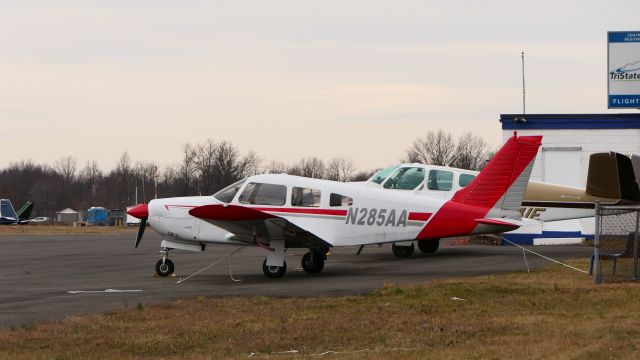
49	277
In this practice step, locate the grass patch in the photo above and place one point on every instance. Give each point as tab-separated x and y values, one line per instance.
552	313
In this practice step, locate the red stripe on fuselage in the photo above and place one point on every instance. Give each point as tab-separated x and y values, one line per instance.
416	216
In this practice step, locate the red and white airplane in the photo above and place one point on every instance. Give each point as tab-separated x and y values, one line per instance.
279	211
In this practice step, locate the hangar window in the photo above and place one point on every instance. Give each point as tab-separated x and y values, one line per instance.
465	179
379	177
340	200
264	194
227	194
406	178
440	180
305	197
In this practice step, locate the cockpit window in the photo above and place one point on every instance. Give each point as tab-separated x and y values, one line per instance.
305	197
379	177
440	180
227	194
264	194
465	179
6	210
406	178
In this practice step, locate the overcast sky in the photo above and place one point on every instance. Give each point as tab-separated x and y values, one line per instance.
288	79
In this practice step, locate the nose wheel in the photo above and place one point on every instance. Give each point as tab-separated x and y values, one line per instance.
164	266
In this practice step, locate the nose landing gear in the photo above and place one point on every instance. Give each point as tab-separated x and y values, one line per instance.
164	266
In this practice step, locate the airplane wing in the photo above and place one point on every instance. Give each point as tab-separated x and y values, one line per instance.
253	225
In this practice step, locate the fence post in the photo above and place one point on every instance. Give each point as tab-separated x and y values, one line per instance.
635	248
596	247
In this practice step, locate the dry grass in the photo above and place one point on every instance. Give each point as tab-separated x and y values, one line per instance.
554	313
61	229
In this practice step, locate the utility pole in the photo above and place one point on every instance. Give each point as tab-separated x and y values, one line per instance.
523	88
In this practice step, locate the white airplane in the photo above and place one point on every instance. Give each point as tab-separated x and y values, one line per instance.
279	211
611	180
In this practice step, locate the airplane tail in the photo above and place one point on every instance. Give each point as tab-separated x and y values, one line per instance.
613	175
489	203
502	183
25	211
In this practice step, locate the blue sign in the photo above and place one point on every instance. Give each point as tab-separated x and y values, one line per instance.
623	70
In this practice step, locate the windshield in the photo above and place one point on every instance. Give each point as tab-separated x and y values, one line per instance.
407	178
379	177
227	194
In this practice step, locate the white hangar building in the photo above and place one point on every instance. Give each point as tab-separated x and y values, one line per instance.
568	141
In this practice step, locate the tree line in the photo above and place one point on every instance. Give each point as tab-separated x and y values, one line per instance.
204	168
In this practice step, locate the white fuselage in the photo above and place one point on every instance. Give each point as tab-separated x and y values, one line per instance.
341	214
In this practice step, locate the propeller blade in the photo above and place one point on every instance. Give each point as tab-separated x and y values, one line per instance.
143	225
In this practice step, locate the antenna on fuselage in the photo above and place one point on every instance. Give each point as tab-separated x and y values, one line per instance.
453	158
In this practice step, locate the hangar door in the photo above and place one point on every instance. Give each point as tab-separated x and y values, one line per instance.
563	165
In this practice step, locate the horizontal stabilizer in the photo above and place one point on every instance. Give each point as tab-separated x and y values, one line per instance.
500	222
229	213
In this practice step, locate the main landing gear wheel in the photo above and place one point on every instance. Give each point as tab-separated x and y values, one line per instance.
165	268
312	262
274	271
402	251
428	246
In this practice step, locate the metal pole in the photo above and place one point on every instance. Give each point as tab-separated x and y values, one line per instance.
635	248
596	248
523	91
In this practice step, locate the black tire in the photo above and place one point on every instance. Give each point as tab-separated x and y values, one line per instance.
428	246
312	267
165	269
274	271
402	251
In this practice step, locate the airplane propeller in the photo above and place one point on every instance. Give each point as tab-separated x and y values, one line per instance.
140	211
143	225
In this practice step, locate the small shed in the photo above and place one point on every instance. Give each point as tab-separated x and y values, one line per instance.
67	216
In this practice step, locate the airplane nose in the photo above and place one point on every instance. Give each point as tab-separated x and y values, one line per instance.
140	211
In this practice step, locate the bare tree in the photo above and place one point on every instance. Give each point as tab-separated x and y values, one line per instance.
220	164
436	148
311	167
91	172
230	166
340	169
277	167
187	169
470	153
67	167
363	175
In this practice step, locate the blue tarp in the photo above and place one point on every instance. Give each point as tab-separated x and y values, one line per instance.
97	216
